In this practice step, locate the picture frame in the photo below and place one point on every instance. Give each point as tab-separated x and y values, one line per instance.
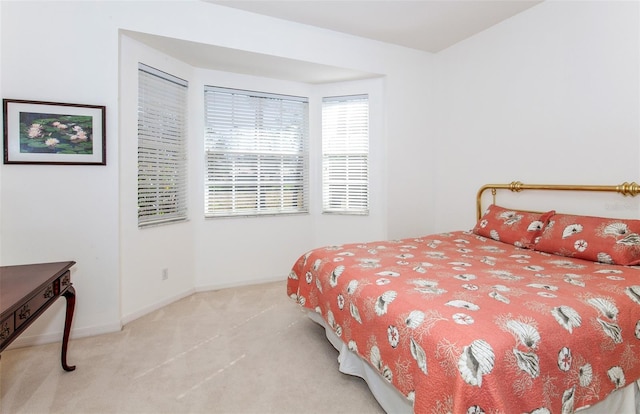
37	132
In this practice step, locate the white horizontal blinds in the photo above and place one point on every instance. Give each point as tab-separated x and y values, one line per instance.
345	154
257	157
162	163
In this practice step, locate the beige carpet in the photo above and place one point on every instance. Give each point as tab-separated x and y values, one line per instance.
241	350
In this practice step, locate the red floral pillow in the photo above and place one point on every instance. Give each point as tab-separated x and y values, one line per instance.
520	228
599	239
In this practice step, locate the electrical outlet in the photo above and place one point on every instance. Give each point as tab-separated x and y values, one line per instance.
165	274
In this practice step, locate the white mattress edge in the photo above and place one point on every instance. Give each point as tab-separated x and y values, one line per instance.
623	401
390	399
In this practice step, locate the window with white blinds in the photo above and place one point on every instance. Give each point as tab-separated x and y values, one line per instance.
162	138
256	147
345	154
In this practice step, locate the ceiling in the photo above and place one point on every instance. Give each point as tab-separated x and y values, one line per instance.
428	25
225	59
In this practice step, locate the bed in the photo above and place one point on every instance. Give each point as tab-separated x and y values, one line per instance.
528	312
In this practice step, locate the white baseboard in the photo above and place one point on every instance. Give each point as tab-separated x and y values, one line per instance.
218	286
24	341
144	311
34	340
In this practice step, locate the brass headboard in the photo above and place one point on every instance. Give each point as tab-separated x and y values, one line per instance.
626	189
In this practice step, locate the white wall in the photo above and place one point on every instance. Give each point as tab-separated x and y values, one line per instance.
222	252
550	95
337	229
60	53
146	252
557	84
87	214
232	251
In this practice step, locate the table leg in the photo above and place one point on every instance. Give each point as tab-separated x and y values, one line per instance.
70	295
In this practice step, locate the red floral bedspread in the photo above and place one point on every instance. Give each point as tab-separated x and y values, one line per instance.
464	324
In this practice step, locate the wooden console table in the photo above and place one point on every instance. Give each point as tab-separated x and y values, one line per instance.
26	291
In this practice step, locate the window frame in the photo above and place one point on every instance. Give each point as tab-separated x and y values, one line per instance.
242	133
346	155
162	148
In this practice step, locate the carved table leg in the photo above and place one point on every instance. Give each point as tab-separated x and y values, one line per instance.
70	295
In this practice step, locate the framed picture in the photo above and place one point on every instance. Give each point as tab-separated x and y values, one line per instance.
53	133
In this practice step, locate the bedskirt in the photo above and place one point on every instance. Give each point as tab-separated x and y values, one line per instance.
623	401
